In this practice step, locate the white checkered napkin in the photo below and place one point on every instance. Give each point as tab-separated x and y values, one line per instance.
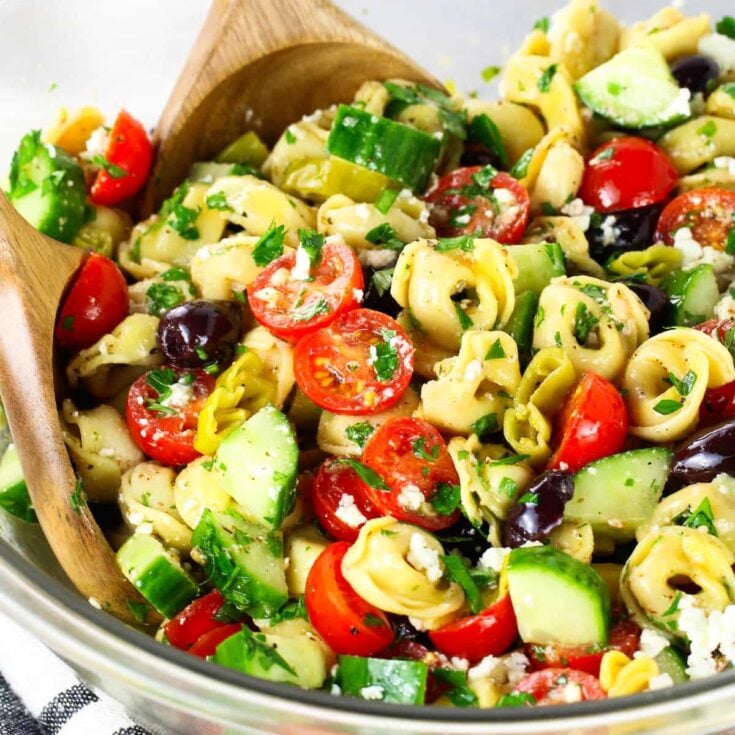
40	695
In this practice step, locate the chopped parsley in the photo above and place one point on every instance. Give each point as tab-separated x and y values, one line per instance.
496	351
312	242
538	319
729	89
457	691
463	242
667	406
160	297
542	24
510	459
726	26
544	82
420	450
269	246
113	171
445	499
359	433
369	476
708	130
465	322
508	487
385	236
584	323
218	200
516	699
528	499
382	280
76	499
456	571
385	356
180	217
373	621
685	385
289	136
520	169
489	73
702	516
485	425
312	310
604	155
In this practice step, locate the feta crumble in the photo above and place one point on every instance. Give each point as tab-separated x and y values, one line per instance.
579	212
652	643
727	163
720	49
423	558
709	635
494	558
610	233
373	692
725	307
302	266
348	512
410	497
378	259
181	395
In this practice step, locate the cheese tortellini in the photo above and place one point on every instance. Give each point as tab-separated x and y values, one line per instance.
666	379
597	323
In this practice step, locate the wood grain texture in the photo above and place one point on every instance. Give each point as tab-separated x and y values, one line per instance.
260	65
34	273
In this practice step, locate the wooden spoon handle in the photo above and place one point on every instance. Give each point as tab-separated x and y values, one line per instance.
34	272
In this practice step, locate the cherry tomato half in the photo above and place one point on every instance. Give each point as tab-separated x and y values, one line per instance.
479	201
719	403
360	364
348	624
96	303
292	305
207	644
708	213
625	636
490	633
593	424
412	457
338	489
165	430
560	686
627	173
196	619
129	154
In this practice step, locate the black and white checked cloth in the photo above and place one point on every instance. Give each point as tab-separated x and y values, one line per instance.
41	695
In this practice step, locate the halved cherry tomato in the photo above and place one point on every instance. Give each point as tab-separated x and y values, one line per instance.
479	201
96	303
719	403
293	305
348	624
166	432
412	457
625	636
360	364
490	633
561	686
708	213
594	424
207	644
194	621
627	173
335	481
129	154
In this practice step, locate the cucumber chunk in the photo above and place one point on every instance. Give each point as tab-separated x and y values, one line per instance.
693	295
47	188
671	662
617	494
635	89
243	561
537	264
248	149
557	599
384	679
157	574
259	463
391	148
14	496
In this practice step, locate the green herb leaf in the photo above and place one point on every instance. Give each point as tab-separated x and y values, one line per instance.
604	155
510	459
160	297
419	448
446	498
667	406
729	89
520	169
456	570
218	200
382	280
463	242
465	322
489	73
708	130
516	699
528	499
384	356
496	351
459	693
584	323
701	516
726	26
544	82
289	136
161	380
685	385
310	311
386	200
373	621
542	24
538	319
269	246
312	242
385	236
508	487
113	171
77	498
485	425
139	610
359	433
369	476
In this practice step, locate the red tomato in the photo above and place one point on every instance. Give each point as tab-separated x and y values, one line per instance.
594	424
293	306
96	303
466	202
720	329
196	619
627	173
334	481
719	403
490	633
166	433
412	457
360	364
708	213
625	636
130	154
561	686
348	624
207	644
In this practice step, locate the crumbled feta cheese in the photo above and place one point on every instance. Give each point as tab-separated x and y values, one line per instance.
181	395
720	49
652	643
578	211
493	558
302	266
473	371
486	667
417	623
348	512
96	144
725	307
681	106
661	681
268	294
610	233
336	690
505	197
461	664
372	692
727	163
563	466
144	529
357	294
516	664
378	259
571	693
280	277
690	249
709	635
410	497
423	558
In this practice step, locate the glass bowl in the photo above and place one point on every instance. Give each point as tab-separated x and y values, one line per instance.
114	54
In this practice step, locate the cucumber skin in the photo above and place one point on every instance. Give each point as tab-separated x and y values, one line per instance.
671	662
520	324
683	287
402	681
246	652
537	264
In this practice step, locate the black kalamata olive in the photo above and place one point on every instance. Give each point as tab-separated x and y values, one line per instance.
655	300
633	229
477	155
704	456
539	510
376	300
405	631
696	73
471	542
197	333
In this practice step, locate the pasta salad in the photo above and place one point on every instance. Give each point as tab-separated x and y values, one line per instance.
432	401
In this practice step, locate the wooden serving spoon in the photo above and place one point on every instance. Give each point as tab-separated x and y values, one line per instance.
261	65
34	273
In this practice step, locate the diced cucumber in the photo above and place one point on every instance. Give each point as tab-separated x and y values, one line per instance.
537	264
391	148
14	496
693	295
389	680
671	662
520	324
289	653
248	149
617	494
157	574
47	188
243	561
259	462
557	599
635	89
